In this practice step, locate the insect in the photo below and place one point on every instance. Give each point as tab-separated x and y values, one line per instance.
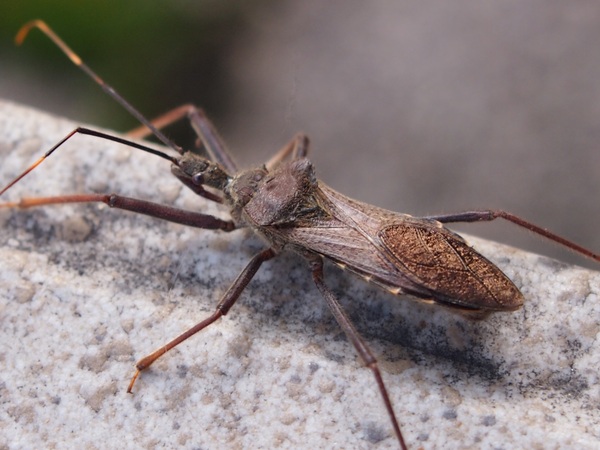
284	203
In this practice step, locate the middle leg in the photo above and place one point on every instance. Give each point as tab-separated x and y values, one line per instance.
202	126
361	347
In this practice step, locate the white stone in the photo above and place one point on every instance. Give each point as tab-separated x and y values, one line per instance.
85	291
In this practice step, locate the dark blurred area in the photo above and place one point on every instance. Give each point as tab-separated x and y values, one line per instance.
159	55
418	107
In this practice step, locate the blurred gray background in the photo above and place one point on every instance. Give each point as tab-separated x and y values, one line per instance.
420	107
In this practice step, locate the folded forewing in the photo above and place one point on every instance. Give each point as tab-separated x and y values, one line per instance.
403	254
450	267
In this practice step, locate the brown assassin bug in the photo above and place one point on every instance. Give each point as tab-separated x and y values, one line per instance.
290	209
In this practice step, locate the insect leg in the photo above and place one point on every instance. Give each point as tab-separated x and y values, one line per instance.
203	127
181	216
162	121
226	302
489	215
297	147
361	347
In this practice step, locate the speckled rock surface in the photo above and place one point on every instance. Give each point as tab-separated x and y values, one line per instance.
85	291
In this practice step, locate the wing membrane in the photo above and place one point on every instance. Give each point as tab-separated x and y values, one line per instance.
402	253
450	267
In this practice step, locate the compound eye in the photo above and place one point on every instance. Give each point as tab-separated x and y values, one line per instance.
198	179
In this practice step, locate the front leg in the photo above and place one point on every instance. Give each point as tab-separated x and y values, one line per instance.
176	215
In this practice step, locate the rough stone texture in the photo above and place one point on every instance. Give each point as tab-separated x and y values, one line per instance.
85	291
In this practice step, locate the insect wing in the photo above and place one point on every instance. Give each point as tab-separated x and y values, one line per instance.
405	254
449	267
